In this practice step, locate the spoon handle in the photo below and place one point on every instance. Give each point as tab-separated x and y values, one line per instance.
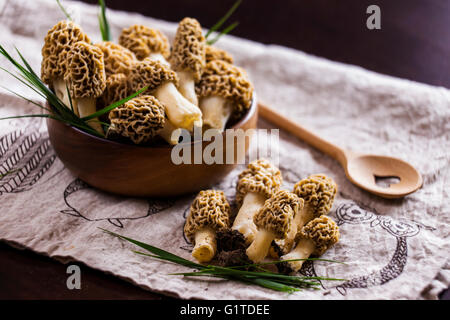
307	136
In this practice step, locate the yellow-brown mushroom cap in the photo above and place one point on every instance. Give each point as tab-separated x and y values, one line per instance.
139	119
323	231
57	44
318	191
188	49
151	73
143	41
209	209
278	212
260	176
85	71
117	88
117	58
214	53
222	79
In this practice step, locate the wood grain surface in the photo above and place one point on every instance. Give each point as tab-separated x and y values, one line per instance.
413	43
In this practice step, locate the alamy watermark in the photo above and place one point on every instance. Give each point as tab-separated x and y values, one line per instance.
74	280
228	147
373	22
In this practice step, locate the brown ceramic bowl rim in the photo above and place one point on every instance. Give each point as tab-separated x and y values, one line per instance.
250	112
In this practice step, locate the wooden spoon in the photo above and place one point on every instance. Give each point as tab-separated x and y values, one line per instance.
362	169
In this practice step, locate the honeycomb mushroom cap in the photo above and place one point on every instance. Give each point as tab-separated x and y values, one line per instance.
117	58
214	53
57	44
117	88
323	231
143	41
222	79
150	73
188	49
139	119
277	213
260	176
209	209
85	71
318	191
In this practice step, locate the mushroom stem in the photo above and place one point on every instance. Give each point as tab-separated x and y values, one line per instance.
86	107
179	110
216	112
158	57
187	86
170	133
60	87
300	219
259	248
244	220
304	248
205	245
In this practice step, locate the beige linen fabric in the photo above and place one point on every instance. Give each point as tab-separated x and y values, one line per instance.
393	249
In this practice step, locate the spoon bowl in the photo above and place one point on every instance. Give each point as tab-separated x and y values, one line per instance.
364	170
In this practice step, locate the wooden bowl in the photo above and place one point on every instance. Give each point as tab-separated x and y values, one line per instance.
139	171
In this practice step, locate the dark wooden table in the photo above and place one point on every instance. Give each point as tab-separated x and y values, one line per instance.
413	43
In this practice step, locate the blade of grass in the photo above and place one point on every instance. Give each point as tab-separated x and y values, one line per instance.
177	260
64	11
274	281
70	98
223	19
24	82
103	22
222	33
25	98
281	261
155	250
114	105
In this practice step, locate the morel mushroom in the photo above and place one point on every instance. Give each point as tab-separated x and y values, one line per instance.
224	91
273	221
117	59
57	44
256	184
188	56
86	78
138	119
316	237
214	53
209	213
318	192
161	82
146	42
117	88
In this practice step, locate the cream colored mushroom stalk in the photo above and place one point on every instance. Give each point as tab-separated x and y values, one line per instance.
256	184
161	82
273	221
139	119
187	57
146	43
209	213
316	237
224	92
86	78
318	192
57	44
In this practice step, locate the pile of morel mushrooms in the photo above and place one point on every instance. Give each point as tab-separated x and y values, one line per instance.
190	83
271	222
